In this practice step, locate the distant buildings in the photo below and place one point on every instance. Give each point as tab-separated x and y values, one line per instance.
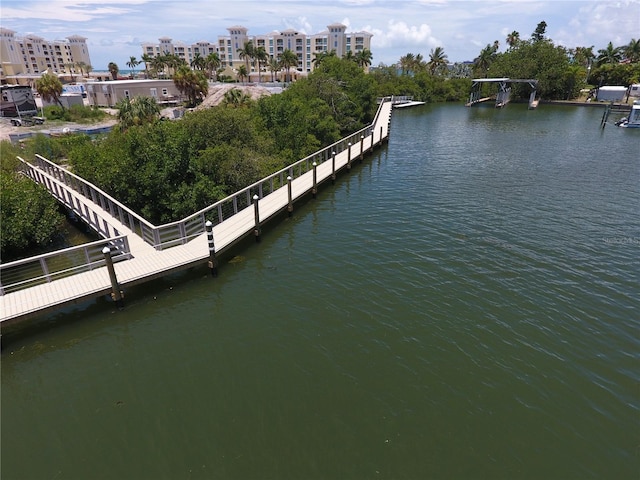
25	58
275	43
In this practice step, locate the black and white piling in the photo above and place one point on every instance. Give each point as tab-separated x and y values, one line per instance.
213	262
349	156
333	168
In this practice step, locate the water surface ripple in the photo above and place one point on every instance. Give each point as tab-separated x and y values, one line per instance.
462	305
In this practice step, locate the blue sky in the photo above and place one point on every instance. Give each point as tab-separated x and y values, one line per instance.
115	29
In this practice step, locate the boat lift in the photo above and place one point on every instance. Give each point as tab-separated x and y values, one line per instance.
503	96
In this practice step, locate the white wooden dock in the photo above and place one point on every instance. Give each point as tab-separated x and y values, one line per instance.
147	262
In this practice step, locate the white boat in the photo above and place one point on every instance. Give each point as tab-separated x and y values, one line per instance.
633	120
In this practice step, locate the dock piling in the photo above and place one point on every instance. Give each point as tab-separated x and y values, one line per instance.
213	263
290	206
314	190
256	213
333	168
116	294
349	156
361	147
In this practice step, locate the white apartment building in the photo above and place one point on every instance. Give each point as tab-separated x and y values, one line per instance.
25	58
304	46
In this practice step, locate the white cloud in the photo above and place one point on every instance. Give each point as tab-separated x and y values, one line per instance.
400	34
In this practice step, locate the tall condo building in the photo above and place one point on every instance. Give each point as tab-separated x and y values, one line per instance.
335	37
29	56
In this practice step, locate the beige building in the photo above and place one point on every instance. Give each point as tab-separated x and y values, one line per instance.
23	59
335	37
107	94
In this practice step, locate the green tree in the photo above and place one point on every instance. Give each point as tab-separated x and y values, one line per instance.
247	53
363	58
610	54
30	215
236	98
191	83
138	111
262	58
632	50
113	70
538	34
147	60
513	38
288	59
482	63
274	66
49	87
198	62
212	63
242	73
437	61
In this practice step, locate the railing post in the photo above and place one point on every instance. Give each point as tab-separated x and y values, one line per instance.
380	135
116	294
290	206
213	263
314	190
333	167
256	213
361	147
349	156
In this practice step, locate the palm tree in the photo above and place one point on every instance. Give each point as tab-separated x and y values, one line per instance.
139	111
82	67
198	62
159	63
437	60
212	63
242	72
49	87
274	66
363	58
632	50
146	59
262	57
191	83
70	67
246	53
321	55
236	98
132	64
485	59
288	59
513	38
610	54
113	70
407	62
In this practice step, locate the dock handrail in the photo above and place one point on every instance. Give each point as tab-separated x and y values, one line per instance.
62	263
181	231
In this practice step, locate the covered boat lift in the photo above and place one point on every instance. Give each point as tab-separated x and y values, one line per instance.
504	91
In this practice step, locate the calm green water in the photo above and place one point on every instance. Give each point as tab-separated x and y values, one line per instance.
463	305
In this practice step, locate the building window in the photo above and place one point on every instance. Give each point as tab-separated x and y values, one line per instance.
154	92
165	92
126	93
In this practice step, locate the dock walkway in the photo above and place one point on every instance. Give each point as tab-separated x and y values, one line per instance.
147	261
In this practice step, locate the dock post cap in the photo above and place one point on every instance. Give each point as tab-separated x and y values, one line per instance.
106	250
289	178
208	224
256	197
333	153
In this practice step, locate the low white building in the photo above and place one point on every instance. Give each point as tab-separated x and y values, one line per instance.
107	94
611	93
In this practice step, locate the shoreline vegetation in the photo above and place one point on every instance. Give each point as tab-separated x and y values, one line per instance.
223	145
